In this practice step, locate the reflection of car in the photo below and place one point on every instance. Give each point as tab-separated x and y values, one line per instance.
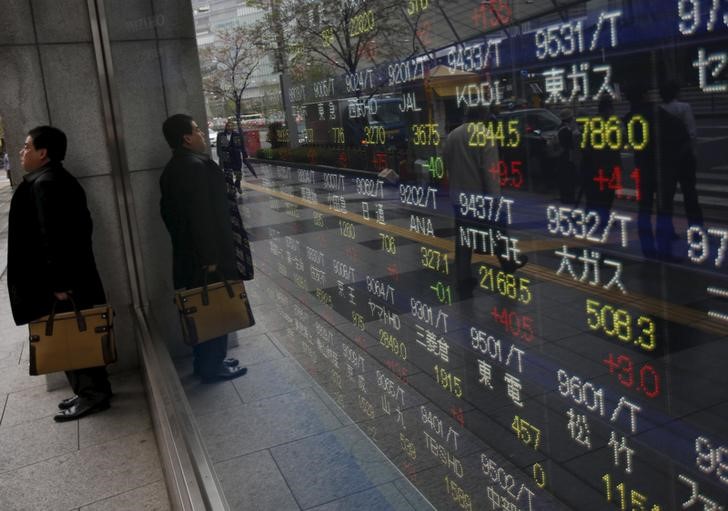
539	127
389	116
539	145
212	134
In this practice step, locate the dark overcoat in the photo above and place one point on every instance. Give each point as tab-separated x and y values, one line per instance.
49	245
194	208
231	153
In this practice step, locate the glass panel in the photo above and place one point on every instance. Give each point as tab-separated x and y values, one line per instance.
497	238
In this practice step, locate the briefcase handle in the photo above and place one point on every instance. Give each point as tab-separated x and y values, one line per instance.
228	287
80	320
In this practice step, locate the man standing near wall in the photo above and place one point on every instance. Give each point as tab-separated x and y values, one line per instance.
50	255
195	210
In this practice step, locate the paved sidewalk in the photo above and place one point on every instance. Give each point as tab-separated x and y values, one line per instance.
107	461
276	439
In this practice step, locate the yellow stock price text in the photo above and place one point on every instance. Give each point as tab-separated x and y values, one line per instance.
447	381
483	134
619	323
434	260
425	134
417	6
626	500
362	23
526	432
338	136
600	133
374	135
505	284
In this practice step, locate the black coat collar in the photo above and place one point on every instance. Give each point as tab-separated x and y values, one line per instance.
183	152
30	177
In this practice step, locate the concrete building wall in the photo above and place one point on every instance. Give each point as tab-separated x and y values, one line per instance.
49	62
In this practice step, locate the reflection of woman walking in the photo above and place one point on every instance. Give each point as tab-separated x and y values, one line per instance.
243	257
231	153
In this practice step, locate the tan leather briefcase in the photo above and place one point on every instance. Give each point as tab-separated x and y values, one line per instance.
72	340
213	310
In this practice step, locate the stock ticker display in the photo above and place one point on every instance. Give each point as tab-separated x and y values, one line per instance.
520	316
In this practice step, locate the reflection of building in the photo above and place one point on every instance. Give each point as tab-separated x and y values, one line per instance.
212	16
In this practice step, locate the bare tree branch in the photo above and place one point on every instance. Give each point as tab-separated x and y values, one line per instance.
230	63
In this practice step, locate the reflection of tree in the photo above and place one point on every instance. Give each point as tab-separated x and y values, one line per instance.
319	34
268	102
229	64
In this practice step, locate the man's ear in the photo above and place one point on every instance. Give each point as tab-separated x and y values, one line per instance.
43	153
186	139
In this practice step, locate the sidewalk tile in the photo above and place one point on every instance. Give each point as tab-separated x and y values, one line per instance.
265	423
332	465
129	413
333	406
271	379
413	496
31	404
254	348
210	398
266	319
83	477
16	378
253	481
35	441
152	497
381	498
10	353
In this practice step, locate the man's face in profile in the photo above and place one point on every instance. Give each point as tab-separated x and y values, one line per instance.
196	141
31	158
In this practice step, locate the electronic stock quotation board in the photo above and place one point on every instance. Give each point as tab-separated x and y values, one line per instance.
519	327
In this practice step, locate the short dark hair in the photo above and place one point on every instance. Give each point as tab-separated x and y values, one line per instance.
51	139
175	128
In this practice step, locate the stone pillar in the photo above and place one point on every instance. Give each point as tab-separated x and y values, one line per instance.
156	74
107	72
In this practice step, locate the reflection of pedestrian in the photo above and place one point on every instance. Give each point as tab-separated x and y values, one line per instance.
5	162
677	146
471	172
50	257
566	168
196	212
646	165
598	165
231	153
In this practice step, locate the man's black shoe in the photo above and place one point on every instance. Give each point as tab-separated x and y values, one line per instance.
224	373
68	402
228	362
81	409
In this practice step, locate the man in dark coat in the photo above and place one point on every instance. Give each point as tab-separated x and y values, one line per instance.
50	255
195	210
